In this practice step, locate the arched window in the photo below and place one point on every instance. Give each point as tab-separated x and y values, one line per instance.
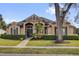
16	30
11	31
46	30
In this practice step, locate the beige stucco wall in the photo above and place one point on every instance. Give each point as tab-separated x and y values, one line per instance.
51	27
71	31
21	31
13	25
51	30
9	29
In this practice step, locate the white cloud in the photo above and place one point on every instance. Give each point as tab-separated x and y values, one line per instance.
13	20
51	10
9	21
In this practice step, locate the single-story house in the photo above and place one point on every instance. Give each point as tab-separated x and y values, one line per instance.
28	25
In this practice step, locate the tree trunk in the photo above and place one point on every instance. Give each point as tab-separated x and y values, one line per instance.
60	15
59	33
59	24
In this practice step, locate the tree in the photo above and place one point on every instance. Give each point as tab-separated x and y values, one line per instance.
2	23
39	29
60	14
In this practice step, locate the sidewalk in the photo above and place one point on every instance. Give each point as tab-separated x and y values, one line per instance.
37	47
24	42
2	54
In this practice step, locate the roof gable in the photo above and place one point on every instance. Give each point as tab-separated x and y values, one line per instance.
34	17
37	18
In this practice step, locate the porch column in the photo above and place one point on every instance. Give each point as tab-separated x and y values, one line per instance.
44	29
19	30
24	28
34	30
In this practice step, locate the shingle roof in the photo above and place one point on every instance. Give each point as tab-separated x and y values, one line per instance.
41	18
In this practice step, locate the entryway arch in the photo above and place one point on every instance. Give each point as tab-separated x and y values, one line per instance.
28	29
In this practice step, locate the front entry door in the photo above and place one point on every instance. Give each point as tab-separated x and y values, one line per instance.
29	32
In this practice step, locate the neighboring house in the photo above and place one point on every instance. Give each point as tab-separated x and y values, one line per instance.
28	25
2	31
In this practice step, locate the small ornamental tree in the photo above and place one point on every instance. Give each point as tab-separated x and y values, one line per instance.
39	29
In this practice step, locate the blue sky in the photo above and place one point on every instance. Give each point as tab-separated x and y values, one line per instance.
20	11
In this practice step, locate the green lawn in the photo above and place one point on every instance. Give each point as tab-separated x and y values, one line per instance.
51	43
6	42
40	51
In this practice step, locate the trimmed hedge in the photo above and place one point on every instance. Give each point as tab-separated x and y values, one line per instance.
13	37
53	37
71	37
40	37
44	37
49	37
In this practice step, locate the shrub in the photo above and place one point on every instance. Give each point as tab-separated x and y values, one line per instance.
44	37
71	37
49	37
37	36
13	37
54	37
